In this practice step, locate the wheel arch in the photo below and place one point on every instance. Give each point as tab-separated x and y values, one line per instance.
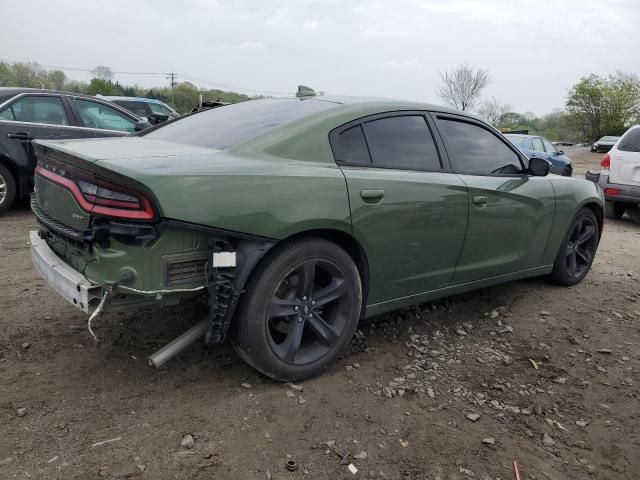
348	243
598	211
6	162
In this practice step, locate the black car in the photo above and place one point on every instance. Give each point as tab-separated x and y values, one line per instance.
604	144
28	114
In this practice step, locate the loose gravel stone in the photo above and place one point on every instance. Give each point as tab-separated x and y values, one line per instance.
547	440
290	394
360	456
187	441
605	350
246	385
461	332
474	417
581	423
22	412
489	441
297	388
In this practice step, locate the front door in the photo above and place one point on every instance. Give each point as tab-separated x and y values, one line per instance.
510	212
407	210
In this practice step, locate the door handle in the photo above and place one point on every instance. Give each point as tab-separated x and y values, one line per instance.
480	200
20	136
371	194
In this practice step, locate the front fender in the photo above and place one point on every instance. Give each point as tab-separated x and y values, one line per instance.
572	194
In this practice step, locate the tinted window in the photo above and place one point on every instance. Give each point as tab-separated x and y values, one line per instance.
537	145
402	142
352	147
99	115
631	141
158	109
476	150
136	107
548	146
36	110
232	124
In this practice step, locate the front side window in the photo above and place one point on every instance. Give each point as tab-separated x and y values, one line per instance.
537	145
36	109
477	151
99	115
402	142
158	109
631	141
548	146
136	107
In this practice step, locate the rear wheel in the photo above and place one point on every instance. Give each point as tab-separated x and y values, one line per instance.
578	249
614	209
8	189
300	310
634	212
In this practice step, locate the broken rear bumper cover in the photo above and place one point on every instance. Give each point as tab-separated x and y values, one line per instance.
67	282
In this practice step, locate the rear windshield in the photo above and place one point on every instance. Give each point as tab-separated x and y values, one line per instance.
631	141
517	141
226	126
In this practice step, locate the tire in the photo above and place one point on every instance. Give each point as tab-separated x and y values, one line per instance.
634	212
614	210
578	249
567	171
8	190
283	330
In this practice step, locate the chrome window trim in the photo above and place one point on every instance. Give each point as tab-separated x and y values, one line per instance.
55	125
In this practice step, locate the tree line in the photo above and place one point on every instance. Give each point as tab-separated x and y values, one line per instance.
184	97
595	106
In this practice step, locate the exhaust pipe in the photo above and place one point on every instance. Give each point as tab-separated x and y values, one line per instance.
176	346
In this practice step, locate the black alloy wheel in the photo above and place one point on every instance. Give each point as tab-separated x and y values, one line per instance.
300	309
578	249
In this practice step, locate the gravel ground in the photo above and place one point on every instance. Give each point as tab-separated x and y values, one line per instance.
456	389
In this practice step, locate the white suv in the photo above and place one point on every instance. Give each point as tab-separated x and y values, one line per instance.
620	176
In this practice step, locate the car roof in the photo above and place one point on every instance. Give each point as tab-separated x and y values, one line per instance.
5	91
518	135
132	99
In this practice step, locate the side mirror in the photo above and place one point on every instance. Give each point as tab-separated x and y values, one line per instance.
141	125
539	167
560	152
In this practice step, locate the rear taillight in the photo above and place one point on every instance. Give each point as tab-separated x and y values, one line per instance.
612	191
101	197
605	164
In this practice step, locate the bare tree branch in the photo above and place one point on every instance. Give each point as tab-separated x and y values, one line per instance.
491	111
462	86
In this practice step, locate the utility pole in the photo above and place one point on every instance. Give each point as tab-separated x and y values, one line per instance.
172	77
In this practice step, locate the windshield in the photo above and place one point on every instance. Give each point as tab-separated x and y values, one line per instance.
608	139
226	126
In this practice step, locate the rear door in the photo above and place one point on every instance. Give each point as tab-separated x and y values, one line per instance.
29	117
99	119
625	159
510	212
407	209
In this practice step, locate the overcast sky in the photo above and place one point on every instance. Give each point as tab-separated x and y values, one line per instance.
534	50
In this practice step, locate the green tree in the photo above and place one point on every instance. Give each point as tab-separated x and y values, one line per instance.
604	106
56	79
103	87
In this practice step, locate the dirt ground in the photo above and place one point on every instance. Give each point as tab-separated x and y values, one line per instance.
401	394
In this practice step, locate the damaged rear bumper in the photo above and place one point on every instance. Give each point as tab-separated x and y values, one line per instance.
67	282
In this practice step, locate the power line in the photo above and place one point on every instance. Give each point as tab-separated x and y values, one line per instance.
170	76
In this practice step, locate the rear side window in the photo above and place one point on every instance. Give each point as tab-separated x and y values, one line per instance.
631	141
226	126
100	116
477	151
403	142
537	145
36	109
352	147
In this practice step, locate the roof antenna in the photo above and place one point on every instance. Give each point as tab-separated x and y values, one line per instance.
304	91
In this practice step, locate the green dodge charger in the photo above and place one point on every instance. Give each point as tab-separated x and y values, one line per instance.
294	218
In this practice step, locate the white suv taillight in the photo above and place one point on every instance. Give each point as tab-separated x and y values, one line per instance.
605	164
